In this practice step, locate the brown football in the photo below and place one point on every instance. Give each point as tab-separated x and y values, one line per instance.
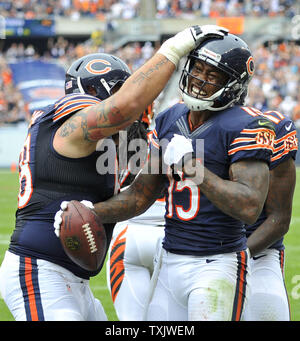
83	236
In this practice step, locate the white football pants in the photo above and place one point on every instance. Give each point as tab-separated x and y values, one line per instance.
130	267
268	300
206	288
37	290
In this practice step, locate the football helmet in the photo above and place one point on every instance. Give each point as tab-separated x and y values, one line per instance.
101	71
228	54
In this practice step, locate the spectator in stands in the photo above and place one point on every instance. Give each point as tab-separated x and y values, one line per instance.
12	106
275	85
128	9
296	113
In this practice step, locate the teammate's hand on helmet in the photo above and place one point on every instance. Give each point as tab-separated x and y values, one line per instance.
210	31
63	207
185	41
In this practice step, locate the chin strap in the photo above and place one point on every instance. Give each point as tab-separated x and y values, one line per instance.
197	104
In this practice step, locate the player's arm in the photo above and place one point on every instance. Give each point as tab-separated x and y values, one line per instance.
278	208
135	199
243	195
78	136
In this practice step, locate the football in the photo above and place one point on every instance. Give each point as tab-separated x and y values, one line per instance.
83	236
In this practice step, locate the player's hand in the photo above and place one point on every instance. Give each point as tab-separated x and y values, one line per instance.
63	207
178	151
185	41
210	31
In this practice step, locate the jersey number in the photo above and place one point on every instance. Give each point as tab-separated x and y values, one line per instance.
194	199
25	177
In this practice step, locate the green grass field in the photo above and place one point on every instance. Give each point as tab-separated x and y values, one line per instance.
9	188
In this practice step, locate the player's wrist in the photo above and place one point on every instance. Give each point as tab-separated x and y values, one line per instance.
178	46
185	41
167	50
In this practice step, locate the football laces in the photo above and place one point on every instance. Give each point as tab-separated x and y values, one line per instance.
90	237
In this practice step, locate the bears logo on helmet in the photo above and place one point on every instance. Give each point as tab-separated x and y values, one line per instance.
250	65
95	71
101	71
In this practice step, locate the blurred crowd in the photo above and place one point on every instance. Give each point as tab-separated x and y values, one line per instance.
127	9
275	85
276	82
216	8
13	109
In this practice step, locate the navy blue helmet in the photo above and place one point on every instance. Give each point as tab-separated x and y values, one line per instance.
228	54
101	71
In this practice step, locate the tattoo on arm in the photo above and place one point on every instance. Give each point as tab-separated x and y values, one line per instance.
95	120
135	200
145	75
108	117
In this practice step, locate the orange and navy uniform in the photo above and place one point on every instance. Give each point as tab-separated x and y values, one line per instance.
285	147
117	269
193	224
48	178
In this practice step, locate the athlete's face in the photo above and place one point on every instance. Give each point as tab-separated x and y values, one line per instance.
205	80
92	91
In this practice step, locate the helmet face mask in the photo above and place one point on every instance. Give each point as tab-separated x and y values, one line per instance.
102	72
228	55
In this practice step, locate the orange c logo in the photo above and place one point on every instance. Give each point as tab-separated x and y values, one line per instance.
250	65
90	69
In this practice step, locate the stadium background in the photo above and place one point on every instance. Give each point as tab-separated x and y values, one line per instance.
39	39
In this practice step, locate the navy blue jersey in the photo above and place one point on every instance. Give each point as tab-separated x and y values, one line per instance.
47	178
285	147
194	225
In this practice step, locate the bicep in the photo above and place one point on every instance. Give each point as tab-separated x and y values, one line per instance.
79	134
254	174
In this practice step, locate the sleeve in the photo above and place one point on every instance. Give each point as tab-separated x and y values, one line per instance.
255	140
157	134
153	140
285	144
71	103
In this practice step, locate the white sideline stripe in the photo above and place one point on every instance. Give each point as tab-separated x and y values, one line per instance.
4	239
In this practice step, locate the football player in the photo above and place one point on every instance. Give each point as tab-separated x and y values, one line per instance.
130	263
268	300
223	183
58	162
